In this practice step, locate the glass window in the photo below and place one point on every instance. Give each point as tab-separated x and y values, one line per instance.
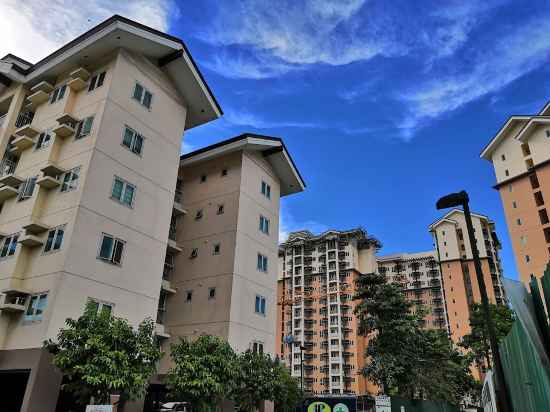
9	246
55	239
262	263
37	305
123	192
142	95
216	250
58	94
70	180
132	140
266	190
96	81
84	127
111	249
211	293
26	189
43	140
264	225
101	307
189	296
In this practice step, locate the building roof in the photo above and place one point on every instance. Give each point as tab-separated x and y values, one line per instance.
306	235
272	148
530	120
406	256
448	218
168	51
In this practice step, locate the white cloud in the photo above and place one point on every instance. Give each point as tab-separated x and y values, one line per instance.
33	29
288	224
494	67
246	118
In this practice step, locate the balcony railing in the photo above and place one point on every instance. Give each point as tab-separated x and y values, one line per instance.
3	119
23	119
7	167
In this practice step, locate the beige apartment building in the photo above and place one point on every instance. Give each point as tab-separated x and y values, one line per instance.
520	154
458	276
317	282
90	138
221	272
419	275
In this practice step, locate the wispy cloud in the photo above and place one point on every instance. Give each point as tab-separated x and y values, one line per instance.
289	224
247	118
34	29
511	56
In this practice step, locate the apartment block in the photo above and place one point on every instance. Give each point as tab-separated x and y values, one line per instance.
419	275
317	282
458	276
520	154
221	276
90	139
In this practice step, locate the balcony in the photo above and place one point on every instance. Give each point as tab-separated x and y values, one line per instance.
172	247
79	79
7	192
40	93
48	182
15	300
31	241
51	169
36	228
21	143
435	282
66	126
11	180
167	287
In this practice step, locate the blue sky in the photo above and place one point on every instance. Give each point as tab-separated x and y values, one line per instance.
384	106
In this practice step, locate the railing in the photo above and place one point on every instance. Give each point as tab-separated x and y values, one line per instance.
7	167
23	119
3	119
160	315
178	196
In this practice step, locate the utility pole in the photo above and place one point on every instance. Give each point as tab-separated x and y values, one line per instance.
462	199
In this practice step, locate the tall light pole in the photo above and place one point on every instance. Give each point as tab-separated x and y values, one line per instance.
462	199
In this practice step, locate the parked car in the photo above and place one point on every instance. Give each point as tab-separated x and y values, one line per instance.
175	406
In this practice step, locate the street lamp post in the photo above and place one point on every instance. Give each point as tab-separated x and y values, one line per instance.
302	348
462	199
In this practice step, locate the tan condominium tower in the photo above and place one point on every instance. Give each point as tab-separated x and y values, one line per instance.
90	138
458	274
520	154
317	276
419	275
221	265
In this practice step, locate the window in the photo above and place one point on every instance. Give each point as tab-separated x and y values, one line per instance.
518	221
262	263
259	306
211	293
194	253
525	149
539	200
543	215
216	249
224	172
111	249
523	240
96	81
514	204
534	181
503	157
547	234
510	188
527	258
506	172
266	190
198	215
258	347
203	178
264	225
189	296
142	95
132	140
58	94
123	192
10	245
84	127
529	164
547	133
55	239
44	140
37	304
70	179
101	307
26	188
221	209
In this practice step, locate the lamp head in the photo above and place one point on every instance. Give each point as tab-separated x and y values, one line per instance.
452	200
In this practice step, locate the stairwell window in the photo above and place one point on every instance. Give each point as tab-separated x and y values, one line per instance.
221	209
9	246
26	189
266	190
37	305
55	239
262	263
70	180
100	307
142	95
111	249
44	140
259	305
123	192
58	94
216	249
84	127
194	253
132	140
96	81
264	225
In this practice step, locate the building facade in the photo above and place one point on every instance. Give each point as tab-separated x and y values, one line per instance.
458	276
520	154
419	275
90	139
221	272
317	281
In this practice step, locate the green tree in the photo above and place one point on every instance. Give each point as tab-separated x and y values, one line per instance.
477	341
100	355
204	373
401	357
256	382
287	392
